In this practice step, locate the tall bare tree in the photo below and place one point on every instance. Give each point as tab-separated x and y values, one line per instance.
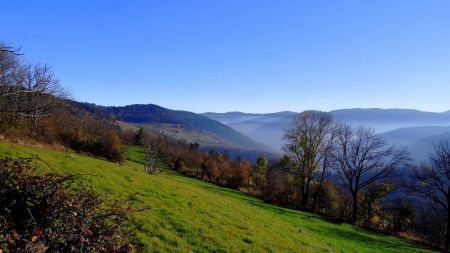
327	151
308	144
362	158
432	182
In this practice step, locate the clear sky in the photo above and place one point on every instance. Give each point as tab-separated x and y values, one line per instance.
246	55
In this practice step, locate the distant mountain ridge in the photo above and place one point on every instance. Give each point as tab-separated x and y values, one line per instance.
269	128
420	141
357	114
391	115
193	126
409	135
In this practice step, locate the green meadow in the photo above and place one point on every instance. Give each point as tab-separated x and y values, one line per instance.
181	214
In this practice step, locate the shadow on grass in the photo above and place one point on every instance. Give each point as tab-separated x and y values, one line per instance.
259	203
367	239
326	227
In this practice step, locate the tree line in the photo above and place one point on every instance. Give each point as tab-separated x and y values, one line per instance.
190	159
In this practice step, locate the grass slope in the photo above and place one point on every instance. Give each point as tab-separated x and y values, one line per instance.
188	215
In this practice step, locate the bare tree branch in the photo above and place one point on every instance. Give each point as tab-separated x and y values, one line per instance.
363	158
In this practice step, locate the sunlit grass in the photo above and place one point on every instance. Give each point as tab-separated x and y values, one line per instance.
182	214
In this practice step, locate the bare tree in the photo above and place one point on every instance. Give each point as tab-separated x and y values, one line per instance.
151	142
432	182
27	90
362	158
308	144
38	91
8	64
329	145
8	49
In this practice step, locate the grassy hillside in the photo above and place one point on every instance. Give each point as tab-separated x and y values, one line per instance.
187	215
190	135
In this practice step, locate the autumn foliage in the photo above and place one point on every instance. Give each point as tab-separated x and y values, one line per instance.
45	213
84	132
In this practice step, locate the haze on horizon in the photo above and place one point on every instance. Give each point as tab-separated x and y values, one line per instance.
252	56
337	109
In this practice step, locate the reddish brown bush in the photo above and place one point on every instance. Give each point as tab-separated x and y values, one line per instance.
43	213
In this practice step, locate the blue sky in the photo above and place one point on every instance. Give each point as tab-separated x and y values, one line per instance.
252	56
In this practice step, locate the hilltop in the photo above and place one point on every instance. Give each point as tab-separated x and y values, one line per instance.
183	125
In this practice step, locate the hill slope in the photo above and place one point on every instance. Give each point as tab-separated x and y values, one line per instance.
185	125
420	141
421	149
409	135
267	128
188	215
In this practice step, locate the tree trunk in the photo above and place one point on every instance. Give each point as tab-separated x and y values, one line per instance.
307	193
447	236
355	207
303	201
34	120
369	211
316	194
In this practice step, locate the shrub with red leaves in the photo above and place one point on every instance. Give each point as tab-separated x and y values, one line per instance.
46	213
